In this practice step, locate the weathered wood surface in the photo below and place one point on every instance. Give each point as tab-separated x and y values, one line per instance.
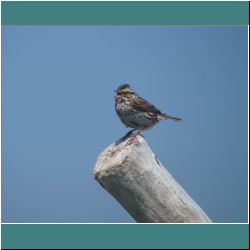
143	186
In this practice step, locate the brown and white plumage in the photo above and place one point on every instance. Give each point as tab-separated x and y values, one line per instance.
135	112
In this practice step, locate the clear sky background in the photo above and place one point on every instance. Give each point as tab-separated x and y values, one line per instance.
58	115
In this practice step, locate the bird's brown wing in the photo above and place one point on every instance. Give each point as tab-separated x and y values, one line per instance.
142	105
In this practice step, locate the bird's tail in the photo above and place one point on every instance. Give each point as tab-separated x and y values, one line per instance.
177	119
174	118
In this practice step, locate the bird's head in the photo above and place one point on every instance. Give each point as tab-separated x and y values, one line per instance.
123	90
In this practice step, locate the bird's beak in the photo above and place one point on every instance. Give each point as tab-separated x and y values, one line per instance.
117	95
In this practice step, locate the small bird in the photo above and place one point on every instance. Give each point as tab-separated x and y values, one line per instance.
135	112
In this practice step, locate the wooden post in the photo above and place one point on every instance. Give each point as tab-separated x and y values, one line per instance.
135	177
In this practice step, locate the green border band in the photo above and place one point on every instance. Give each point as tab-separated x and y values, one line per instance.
124	236
124	13
111	236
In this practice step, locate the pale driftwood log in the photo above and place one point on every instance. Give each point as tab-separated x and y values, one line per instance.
136	178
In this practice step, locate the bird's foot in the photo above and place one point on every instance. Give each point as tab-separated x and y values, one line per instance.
132	136
125	137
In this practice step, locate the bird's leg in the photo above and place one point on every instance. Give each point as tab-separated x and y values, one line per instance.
138	132
129	133
125	137
134	133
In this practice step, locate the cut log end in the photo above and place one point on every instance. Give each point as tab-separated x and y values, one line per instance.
114	156
135	177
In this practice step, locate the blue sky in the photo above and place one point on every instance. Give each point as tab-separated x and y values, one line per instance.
58	115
